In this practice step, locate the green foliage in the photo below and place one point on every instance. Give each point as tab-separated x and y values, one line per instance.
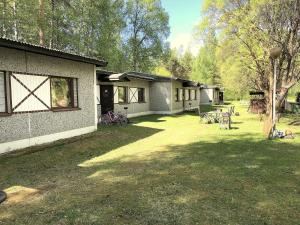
102	28
157	170
179	65
146	32
245	32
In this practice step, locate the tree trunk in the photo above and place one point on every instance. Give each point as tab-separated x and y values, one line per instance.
41	22
268	124
15	21
4	19
52	23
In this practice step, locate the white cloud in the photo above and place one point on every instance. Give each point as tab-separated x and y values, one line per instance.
185	41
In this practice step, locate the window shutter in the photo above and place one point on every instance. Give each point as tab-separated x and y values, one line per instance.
98	94
186	95
116	95
133	95
23	100
180	94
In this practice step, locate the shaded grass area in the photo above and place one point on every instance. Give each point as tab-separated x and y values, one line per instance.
158	170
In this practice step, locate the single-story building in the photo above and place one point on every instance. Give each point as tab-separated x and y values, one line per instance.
137	94
211	95
45	95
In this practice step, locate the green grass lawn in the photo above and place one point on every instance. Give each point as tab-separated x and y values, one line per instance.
158	170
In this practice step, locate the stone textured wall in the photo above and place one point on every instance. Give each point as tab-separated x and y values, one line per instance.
16	126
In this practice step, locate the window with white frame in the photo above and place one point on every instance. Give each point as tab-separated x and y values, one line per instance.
31	93
3	98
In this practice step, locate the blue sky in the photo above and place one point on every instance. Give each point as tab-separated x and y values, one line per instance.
184	15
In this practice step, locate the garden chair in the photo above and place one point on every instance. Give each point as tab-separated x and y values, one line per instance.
225	121
231	110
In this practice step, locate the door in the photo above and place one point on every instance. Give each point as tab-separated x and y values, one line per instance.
106	98
221	96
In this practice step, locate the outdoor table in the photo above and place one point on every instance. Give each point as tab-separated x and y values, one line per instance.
212	115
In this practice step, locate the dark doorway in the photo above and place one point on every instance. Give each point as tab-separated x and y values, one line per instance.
221	96
106	98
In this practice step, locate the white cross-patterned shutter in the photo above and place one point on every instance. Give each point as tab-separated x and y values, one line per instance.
133	95
186	94
116	95
23	100
98	94
180	94
2	92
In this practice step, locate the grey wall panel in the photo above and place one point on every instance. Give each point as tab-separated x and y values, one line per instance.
160	96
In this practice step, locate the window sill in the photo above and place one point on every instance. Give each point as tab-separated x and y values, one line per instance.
65	109
5	114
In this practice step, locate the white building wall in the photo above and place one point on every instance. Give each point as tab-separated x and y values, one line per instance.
134	108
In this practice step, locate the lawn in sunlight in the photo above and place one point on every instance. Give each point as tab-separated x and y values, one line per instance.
157	170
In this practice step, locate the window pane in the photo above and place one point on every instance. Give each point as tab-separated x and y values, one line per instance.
2	93
177	95
122	94
61	92
141	94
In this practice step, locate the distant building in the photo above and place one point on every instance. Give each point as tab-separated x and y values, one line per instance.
211	95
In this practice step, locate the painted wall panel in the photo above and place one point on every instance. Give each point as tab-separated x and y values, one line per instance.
160	96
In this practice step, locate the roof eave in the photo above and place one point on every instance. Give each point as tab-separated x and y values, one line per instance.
49	52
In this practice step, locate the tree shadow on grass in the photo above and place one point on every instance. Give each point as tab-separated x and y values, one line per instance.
228	182
232	180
